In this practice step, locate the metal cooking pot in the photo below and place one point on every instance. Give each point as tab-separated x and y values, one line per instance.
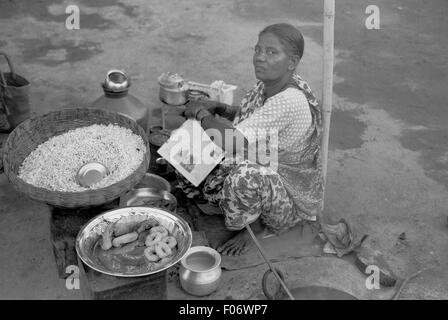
173	89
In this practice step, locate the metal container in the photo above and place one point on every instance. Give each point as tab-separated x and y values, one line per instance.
91	173
149	197
173	89
174	97
200	271
89	236
154	181
117	99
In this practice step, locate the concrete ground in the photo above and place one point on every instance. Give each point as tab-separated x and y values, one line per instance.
388	160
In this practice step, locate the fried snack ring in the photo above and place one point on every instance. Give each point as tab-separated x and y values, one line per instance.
162	249
126	238
153	238
163	262
162	230
151	254
170	241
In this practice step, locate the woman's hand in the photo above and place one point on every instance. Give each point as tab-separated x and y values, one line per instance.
193	108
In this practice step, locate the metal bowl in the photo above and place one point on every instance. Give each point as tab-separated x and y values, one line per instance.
144	197
90	234
154	181
91	173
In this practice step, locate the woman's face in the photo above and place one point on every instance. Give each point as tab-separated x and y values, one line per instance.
271	62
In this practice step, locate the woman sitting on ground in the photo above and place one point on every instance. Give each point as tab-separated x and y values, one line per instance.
277	196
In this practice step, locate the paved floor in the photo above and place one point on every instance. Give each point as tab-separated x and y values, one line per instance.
388	161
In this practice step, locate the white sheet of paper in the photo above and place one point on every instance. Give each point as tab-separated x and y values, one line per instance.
191	151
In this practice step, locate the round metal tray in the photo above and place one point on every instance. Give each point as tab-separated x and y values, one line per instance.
90	234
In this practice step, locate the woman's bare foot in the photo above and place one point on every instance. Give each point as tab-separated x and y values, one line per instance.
241	242
237	245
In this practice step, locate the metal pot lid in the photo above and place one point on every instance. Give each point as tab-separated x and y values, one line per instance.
171	80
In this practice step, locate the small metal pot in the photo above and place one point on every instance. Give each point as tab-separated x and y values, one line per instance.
200	271
173	89
174	97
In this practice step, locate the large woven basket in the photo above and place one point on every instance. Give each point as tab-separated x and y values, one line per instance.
31	133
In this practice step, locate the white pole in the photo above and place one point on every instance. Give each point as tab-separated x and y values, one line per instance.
327	90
